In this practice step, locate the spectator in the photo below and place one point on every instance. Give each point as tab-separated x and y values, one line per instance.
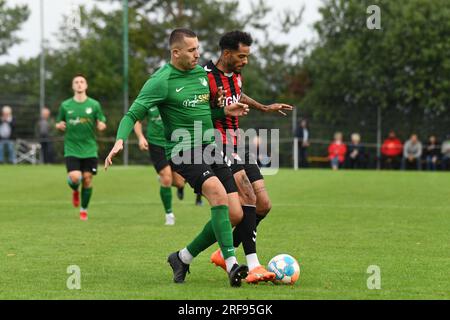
45	133
445	151
391	151
303	143
412	153
7	125
356	154
432	153
262	158
337	151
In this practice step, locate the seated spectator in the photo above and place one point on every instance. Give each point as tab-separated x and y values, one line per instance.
337	151
391	151
356	154
432	153
445	151
412	154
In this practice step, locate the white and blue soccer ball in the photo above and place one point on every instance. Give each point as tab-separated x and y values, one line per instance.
285	267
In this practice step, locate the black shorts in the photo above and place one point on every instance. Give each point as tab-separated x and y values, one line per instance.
249	164
158	157
83	165
198	169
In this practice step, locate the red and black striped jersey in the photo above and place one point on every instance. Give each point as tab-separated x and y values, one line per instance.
232	83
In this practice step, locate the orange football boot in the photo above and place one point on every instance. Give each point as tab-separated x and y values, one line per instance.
218	260
259	274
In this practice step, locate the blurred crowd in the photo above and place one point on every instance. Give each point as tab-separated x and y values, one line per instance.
44	133
411	154
396	154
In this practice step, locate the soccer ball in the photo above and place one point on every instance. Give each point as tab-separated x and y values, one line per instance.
285	267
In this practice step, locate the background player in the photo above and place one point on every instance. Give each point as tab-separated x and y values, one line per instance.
155	143
78	117
226	75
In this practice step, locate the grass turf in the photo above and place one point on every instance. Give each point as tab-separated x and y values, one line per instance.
336	224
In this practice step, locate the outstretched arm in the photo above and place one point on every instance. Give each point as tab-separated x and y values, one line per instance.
276	107
118	146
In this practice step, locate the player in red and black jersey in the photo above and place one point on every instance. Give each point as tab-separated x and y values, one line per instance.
225	79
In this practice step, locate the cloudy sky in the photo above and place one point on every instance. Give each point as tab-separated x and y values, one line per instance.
55	9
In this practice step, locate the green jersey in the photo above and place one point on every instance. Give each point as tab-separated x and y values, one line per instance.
81	121
155	128
182	98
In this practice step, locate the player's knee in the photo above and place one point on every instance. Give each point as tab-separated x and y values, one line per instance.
263	207
214	191
75	178
87	182
165	180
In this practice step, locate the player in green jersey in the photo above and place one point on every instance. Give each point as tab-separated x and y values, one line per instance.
78	118
180	90
155	143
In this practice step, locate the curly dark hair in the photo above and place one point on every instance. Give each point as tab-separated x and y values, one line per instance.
231	40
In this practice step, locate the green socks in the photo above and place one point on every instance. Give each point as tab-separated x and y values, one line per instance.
203	241
221	225
166	197
217	229
86	194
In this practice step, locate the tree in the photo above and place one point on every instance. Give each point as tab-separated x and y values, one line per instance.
95	49
11	20
402	68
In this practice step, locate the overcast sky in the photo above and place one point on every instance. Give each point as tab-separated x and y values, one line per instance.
55	9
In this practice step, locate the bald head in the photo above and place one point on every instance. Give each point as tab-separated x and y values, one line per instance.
184	49
177	36
45	113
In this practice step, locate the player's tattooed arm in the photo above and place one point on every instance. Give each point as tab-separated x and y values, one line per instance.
236	109
275	107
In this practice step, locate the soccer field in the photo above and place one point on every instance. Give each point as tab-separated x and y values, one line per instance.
336	224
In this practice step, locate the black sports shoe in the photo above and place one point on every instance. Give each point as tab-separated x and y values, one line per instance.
179	267
237	273
198	200
180	193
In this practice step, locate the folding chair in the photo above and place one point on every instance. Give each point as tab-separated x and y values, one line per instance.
27	152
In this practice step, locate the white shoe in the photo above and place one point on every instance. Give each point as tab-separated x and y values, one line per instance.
170	219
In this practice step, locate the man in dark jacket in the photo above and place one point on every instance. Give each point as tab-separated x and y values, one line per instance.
44	132
303	136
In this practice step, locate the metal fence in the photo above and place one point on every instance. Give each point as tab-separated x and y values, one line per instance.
371	128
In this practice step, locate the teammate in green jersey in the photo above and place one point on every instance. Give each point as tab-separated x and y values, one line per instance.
180	90
78	118
155	143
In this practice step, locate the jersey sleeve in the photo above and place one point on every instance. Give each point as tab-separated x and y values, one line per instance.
100	115
152	94
61	114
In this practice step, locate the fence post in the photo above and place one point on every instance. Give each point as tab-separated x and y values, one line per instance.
295	146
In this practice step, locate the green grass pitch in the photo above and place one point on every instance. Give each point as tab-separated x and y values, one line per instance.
336	224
